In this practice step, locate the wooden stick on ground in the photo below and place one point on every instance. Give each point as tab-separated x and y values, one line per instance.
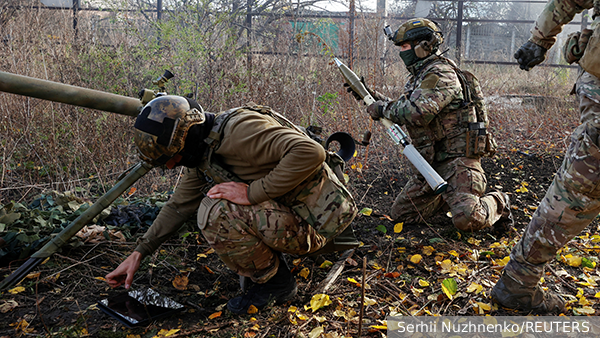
335	272
362	296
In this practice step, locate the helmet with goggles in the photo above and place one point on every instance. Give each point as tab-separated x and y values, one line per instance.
162	126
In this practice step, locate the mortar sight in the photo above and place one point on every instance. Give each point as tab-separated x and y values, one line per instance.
146	95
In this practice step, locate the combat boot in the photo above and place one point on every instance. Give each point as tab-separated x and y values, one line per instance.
510	294
506	221
280	288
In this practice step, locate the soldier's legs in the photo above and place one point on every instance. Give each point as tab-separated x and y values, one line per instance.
570	204
471	209
245	237
416	203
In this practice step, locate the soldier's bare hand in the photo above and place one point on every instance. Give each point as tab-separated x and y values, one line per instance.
235	192
530	55
123	274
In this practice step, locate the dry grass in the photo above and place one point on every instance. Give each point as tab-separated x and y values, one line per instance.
46	145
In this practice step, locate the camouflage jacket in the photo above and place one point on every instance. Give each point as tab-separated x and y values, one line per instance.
276	161
555	15
549	23
431	108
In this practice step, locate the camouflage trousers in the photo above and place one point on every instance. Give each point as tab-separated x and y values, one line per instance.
246	237
471	209
572	200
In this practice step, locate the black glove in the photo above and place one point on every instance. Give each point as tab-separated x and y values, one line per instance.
376	109
356	95
530	55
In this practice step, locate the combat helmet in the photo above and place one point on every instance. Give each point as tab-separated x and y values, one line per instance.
162	126
424	35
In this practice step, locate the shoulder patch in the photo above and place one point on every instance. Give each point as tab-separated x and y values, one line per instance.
430	81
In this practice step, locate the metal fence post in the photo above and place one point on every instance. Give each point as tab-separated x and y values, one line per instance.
249	42
584	20
352	15
382	14
159	10
75	12
459	22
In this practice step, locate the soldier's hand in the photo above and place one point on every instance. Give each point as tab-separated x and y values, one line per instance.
235	192
376	109
123	274
530	55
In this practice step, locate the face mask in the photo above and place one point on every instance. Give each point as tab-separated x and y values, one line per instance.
409	57
193	151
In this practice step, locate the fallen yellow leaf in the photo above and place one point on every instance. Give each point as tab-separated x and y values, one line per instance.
316	332
483	307
301	316
326	264
304	273
369	301
16	290
586	310
33	275
252	310
366	211
215	315
474	287
474	241
318	301
180	282
398	227
428	250
572	260
416	259
8	305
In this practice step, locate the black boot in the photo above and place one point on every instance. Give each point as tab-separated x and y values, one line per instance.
280	288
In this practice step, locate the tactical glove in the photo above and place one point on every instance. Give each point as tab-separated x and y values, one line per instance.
376	109
349	89
530	55
575	45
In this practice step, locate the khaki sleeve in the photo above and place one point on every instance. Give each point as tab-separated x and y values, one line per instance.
293	156
180	207
555	15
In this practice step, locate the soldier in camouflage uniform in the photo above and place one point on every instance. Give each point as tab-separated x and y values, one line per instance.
573	199
447	128
260	186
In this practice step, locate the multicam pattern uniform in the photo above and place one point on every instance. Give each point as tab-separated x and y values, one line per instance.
573	199
430	108
290	217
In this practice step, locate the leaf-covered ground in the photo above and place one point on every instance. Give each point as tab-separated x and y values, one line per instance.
410	269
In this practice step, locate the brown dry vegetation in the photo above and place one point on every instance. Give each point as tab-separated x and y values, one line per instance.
49	146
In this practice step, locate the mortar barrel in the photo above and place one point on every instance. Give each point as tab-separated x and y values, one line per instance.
77	96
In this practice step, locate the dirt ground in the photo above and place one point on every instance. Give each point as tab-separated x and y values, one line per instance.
62	299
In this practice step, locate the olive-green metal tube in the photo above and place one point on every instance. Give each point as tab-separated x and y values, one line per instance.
77	96
60	239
